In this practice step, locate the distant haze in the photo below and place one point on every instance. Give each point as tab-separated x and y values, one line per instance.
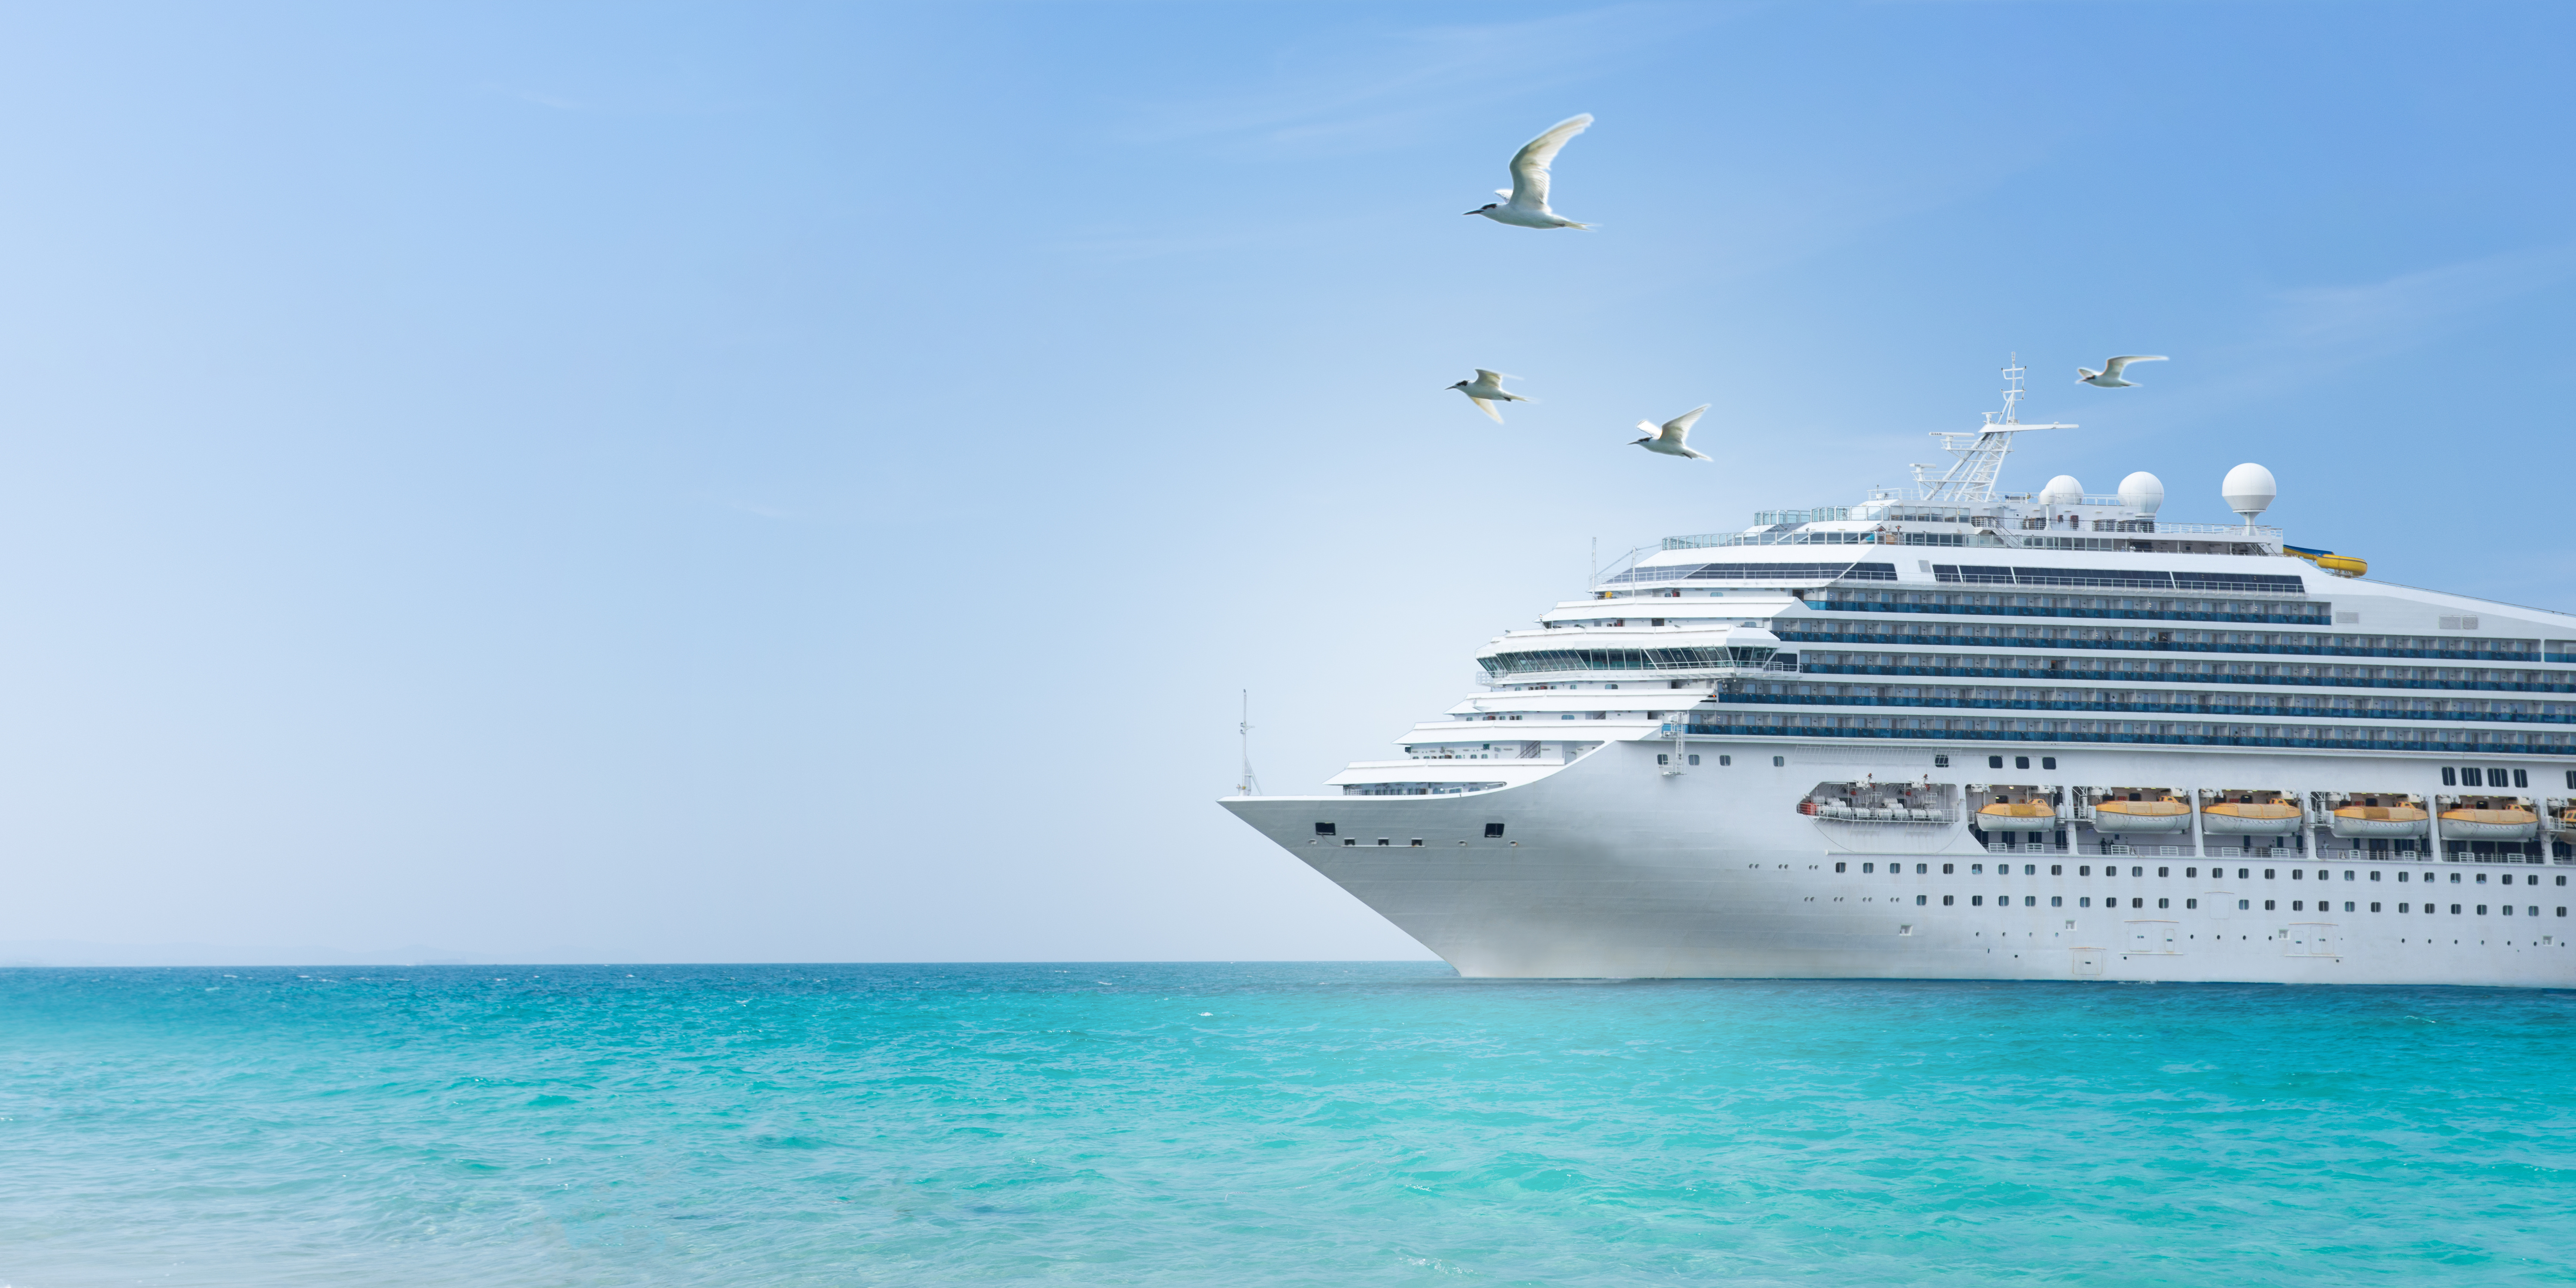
615	483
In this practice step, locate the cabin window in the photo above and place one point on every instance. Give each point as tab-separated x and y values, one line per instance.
1943	762
1948	899
1663	759
1724	761
2452	779
1694	758
2374	907
2084	901
1994	762
1946	869
1974	900
2191	903
1918	901
1838	867
1778	761
2242	904
2190	872
2164	903
2470	777
1416	842
1869	867
2021	762
1493	829
1323	829
2268	905
2057	901
2521	778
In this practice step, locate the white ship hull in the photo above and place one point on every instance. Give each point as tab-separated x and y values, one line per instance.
1610	867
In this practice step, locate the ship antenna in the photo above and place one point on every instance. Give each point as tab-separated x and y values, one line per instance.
1250	786
2013	371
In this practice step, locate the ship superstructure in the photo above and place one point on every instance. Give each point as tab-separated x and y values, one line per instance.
1953	732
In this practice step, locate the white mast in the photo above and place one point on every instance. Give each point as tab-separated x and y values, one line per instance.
1250	786
1980	456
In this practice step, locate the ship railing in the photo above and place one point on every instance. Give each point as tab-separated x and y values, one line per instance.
2118	850
2254	851
2260	534
2008	847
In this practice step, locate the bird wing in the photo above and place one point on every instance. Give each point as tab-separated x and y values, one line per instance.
1486	407
1678	428
1490	377
2112	367
1529	165
1697	456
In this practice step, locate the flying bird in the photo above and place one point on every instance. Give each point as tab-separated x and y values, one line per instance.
1673	436
1527	207
2109	376
1486	390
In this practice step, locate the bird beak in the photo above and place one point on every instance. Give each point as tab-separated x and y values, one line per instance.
1470	212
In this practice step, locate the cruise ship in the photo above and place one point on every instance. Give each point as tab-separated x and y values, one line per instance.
1958	733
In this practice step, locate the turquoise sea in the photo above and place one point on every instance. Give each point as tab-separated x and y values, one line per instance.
1329	1124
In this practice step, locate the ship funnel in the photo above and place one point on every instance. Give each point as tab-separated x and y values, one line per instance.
2249	490
2143	492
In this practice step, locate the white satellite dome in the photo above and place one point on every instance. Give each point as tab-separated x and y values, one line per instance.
2063	490
2249	490
2142	492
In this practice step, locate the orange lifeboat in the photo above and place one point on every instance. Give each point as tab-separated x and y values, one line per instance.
2250	818
2509	823
2017	813
2400	819
2163	814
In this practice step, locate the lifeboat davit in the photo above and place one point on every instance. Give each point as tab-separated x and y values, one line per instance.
2380	820
2164	814
2512	823
2250	818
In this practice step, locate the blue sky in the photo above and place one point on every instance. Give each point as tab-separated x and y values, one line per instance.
680	482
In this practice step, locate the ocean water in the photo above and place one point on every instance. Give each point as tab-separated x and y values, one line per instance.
1329	1124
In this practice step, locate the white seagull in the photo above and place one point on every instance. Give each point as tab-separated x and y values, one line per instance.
2109	376
1527	207
1672	437
1486	390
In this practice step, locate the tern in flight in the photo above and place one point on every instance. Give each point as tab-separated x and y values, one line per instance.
1486	390
2109	376
1672	438
1527	207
